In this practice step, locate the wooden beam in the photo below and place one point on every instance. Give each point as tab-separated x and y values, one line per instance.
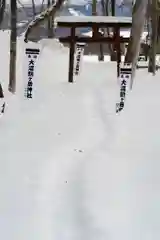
90	24
92	40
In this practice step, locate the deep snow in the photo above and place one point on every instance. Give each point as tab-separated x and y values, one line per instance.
70	167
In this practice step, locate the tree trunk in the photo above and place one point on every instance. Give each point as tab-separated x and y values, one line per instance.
94	7
154	31
2	9
42	17
106	12
138	21
13	51
113	7
42	6
94	13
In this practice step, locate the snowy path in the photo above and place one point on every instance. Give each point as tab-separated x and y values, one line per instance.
70	168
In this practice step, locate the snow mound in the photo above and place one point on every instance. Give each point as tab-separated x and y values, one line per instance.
54	45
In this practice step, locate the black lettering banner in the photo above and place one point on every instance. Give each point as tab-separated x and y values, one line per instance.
124	80
78	57
31	59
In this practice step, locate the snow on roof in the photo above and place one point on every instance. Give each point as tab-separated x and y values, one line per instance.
90	19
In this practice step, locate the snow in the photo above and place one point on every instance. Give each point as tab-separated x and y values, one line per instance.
70	167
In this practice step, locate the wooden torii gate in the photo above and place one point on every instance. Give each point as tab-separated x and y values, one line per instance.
95	22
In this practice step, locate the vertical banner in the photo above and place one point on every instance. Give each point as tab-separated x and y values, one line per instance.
31	57
2	101
125	81
2	106
78	57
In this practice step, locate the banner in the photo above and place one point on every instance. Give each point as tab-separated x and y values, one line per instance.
2	106
32	55
78	57
2	101
125	81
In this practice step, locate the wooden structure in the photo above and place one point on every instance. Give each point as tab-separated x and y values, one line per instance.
95	22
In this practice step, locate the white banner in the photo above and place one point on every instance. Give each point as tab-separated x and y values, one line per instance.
125	81
31	56
78	57
2	101
2	106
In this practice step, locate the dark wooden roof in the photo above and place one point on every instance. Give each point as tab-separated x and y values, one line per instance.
89	21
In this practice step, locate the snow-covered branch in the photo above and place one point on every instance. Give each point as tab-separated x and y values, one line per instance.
42	17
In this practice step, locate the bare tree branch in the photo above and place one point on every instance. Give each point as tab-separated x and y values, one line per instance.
42	17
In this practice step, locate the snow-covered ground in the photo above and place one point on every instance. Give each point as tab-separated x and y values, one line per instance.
71	168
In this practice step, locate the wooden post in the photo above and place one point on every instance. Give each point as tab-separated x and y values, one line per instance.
101	52
154	26
13	47
71	55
